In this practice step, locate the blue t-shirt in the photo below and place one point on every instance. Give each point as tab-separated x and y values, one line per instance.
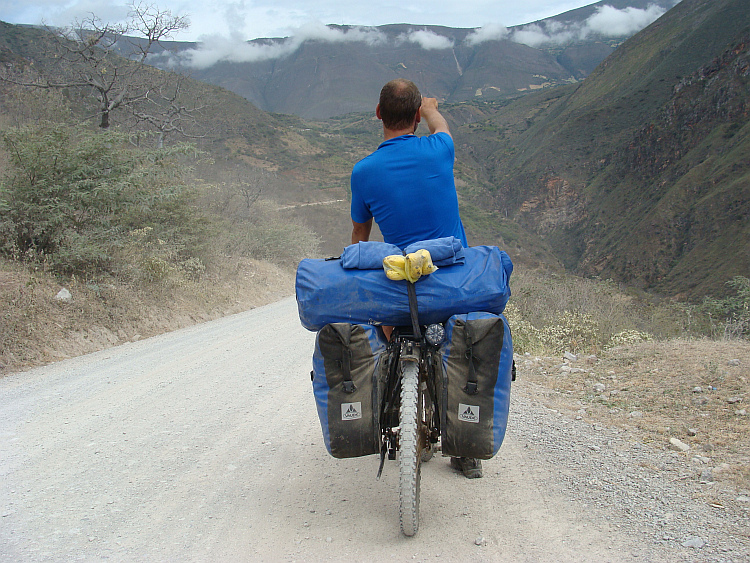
407	186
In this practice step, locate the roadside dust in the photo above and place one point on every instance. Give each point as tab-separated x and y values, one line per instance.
36	328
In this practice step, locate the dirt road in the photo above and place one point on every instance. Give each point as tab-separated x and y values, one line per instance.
204	445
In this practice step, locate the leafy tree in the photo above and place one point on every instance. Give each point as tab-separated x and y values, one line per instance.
71	197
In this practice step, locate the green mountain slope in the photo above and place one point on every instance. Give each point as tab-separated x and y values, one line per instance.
640	173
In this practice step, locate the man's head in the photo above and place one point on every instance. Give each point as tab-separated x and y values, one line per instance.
399	102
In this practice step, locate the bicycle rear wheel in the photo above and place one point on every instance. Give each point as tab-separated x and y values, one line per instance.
409	449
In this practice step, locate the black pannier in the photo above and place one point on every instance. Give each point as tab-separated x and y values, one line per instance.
473	379
347	377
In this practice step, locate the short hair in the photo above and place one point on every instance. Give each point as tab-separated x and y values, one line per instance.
399	101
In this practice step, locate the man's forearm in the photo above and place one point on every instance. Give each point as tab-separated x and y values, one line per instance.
361	231
436	123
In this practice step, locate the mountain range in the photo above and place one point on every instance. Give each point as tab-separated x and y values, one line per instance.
340	69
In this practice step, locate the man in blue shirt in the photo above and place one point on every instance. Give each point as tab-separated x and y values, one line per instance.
406	186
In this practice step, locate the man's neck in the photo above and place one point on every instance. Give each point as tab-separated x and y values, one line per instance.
389	134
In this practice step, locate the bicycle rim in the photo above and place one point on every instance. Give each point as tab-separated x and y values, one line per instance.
409	458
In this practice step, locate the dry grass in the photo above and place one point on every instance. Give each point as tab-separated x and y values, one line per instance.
651	393
35	328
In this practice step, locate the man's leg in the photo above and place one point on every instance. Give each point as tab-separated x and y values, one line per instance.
470	467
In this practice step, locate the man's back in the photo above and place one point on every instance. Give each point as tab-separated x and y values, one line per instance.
407	186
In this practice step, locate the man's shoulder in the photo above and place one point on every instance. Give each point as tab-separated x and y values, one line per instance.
440	138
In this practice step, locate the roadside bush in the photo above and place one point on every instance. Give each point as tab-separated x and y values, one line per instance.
71	196
555	313
730	316
266	235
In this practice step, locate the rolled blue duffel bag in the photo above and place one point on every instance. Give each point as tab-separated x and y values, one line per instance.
328	293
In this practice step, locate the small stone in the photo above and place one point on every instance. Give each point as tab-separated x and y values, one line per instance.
743	498
677	445
741	412
697	389
63	295
635	414
734	362
600	387
695	542
734	400
479	541
570	357
565	368
329	539
721	469
692	431
707	476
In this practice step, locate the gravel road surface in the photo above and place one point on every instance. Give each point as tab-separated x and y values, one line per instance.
204	445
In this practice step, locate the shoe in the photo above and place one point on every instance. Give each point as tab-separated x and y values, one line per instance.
470	467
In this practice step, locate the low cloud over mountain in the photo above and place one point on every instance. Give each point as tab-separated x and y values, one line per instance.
606	21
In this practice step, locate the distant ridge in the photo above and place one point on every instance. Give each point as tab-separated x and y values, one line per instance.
321	78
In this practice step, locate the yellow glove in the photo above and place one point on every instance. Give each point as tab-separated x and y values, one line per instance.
410	267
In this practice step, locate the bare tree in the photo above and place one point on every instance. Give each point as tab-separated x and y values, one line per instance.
104	64
165	109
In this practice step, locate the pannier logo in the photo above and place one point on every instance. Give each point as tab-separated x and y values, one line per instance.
468	413
351	411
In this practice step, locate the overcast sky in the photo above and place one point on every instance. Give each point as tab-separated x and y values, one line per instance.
281	18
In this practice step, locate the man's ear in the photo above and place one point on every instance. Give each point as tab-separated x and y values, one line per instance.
377	112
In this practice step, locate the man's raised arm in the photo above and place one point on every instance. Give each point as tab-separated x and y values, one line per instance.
435	120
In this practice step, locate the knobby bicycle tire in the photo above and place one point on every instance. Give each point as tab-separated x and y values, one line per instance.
409	454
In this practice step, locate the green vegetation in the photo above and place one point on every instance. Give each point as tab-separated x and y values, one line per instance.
555	313
71	200
730	316
638	173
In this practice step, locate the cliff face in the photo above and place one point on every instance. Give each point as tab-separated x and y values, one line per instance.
685	187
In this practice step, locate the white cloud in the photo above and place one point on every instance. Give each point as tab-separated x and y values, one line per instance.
607	21
611	21
216	48
489	32
427	40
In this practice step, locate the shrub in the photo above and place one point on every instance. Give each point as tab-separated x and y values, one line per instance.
71	196
730	316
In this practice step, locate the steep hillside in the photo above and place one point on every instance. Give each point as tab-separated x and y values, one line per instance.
639	173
